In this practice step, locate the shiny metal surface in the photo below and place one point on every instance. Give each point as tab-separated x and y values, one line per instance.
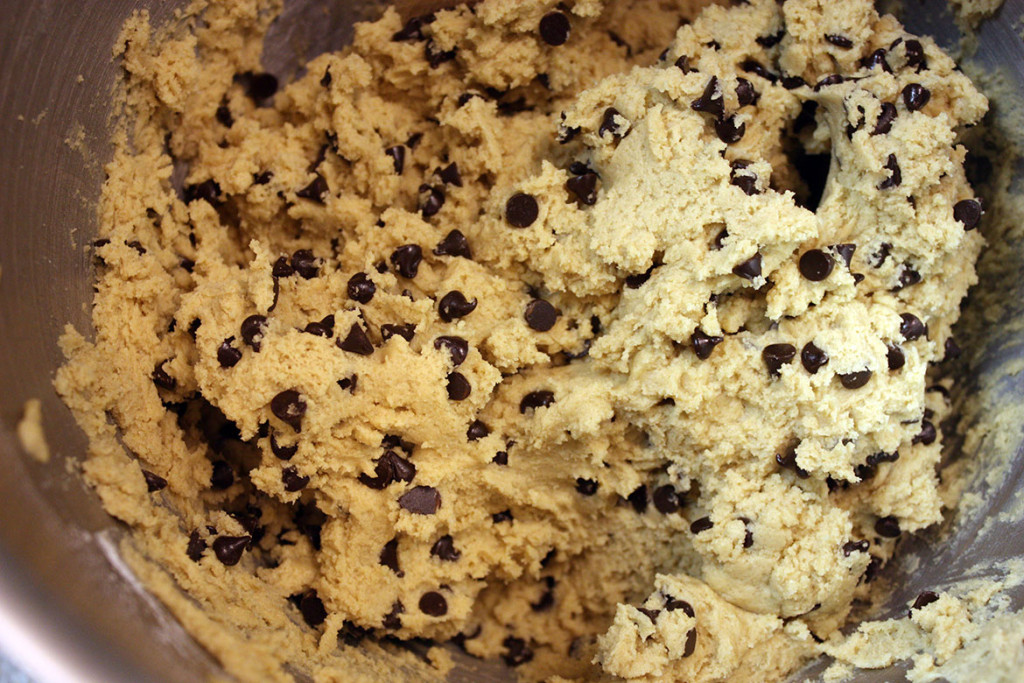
66	612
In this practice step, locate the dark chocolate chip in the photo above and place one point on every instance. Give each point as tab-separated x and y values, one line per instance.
253	329
356	341
413	28
583	188
895	357
459	387
361	288
521	210
454	244
745	92
711	100
421	500
749	269
839	40
259	86
952	349
450	175
227	355
282	268
704	344
162	379
816	265
651	614
312	608
916	96
349	383
638	499
586	487
517	652
915	53
444	549
325	80
683	64
454	305
322	328
196	546
292	480
666	500
927	435
501	517
787	461
406	331
855	380
923	599
719	240
968	212
304	263
289	407
895	175
457	348
672	604
813	358
828	81
222	476
407	259
691	642
729	131
746	182
792	82
753	66
154	482
229	549
282	452
389	556
876	58
540	315
845	252
748	535
702	524
477	430
772	40
316	191
888	527
224	117
855	547
554	28
908	276
536	399
207	190
397	154
431	200
887	115
777	355
389	468
911	327
610	125
262	178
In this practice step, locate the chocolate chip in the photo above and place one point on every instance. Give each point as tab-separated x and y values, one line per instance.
855	547
586	487
772	40
459	387
547	598
304	263
521	210
749	269
316	191
816	265
952	349
389	468
222	476
554	28
253	329
227	355
406	331
323	328
704	344
895	357
748	535
361	288
719	241
450	175
923	599
640	279
397	154
431	200
262	178
672	604
391	620
196	546
282	452
536	399
421	500
229	549
916	96
651	614
583	188
433	604
457	348
793	82
454	244
839	40
162	379
638	499
711	100
666	500
911	327
413	29
154	482
876	58
787	461
516	651
389	556
609	124
683	64
356	341
729	131
888	527
691	642
753	66
777	355
207	190
500	458
292	480
454	305
259	86
746	182
895	175
813	358
407	259
968	212
845	252
282	268
702	524
828	81
855	380
289	407
745	92
887	115
540	315
311	607
444	549
927	435
915	53
477	430
224	117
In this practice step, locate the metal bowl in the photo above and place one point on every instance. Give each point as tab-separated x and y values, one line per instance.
69	610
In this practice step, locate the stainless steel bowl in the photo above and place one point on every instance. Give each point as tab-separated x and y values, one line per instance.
69	611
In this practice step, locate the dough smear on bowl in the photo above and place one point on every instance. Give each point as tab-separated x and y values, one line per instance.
511	326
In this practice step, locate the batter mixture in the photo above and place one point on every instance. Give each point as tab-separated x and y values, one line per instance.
606	339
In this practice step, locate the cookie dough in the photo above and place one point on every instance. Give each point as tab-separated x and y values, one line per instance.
513	327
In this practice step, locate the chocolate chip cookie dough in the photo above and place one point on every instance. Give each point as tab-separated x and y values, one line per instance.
513	327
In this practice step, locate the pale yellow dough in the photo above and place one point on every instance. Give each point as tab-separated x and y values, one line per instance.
767	557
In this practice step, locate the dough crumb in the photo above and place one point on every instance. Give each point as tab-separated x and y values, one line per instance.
30	431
